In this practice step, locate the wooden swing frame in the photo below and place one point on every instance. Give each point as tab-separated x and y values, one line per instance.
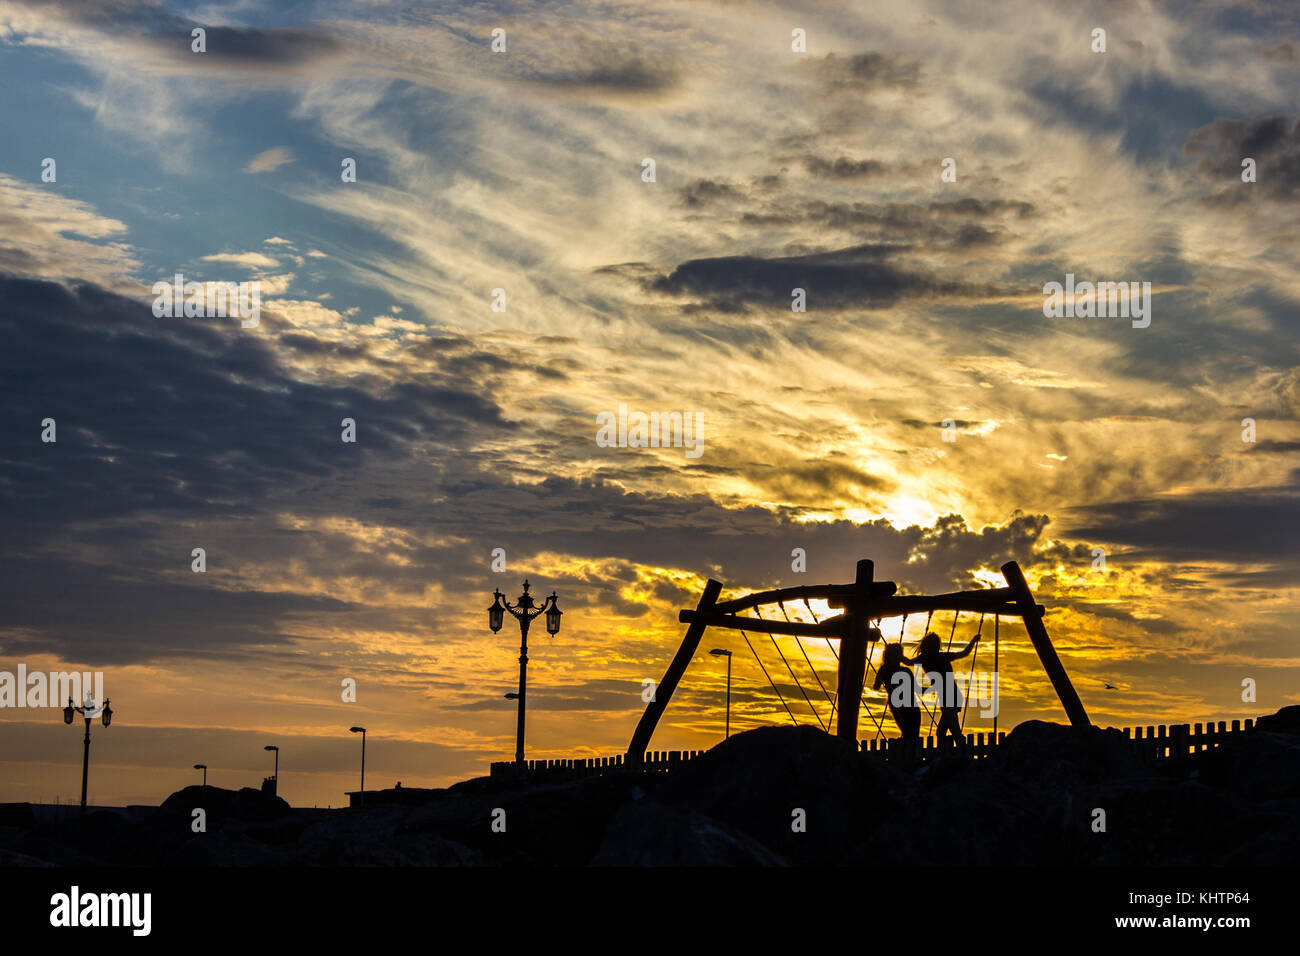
860	603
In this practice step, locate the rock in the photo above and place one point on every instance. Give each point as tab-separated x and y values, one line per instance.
246	805
1285	721
1058	755
758	781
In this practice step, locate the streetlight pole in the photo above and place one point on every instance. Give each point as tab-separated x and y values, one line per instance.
720	652
204	768
362	732
90	712
525	610
276	776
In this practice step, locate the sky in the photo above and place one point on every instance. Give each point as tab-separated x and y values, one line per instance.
507	267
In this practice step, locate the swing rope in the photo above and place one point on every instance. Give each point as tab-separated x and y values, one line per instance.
769	678
880	728
796	681
996	708
799	641
970	674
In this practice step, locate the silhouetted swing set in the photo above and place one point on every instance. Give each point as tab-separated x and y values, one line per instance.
862	606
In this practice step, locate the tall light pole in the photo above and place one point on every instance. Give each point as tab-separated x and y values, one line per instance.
204	768
524	611
90	712
276	790
720	652
362	732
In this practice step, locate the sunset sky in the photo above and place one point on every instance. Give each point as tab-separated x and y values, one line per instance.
522	171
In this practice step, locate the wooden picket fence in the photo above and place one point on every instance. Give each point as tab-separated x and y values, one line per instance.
656	761
1157	742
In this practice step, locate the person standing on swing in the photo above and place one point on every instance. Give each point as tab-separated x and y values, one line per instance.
897	681
937	665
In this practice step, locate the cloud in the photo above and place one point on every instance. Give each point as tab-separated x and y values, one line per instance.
843	278
1255	526
269	160
843	168
1272	141
863	72
248	260
46	234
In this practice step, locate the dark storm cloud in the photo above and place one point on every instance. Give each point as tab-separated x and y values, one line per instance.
845	278
635	75
866	71
818	480
128	620
169	35
1248	526
166	428
182	413
961	223
1272	141
1112	613
703	192
843	167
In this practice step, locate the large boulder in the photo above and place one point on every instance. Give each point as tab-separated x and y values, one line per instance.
1059	755
557	823
246	805
798	791
1285	721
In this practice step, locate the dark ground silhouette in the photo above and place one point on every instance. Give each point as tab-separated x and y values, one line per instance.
1030	803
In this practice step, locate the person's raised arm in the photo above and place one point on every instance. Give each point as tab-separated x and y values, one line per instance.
968	648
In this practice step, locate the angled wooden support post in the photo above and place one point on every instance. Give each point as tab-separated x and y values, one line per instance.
853	655
1043	645
645	728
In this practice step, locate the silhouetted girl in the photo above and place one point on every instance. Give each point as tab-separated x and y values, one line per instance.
937	665
896	677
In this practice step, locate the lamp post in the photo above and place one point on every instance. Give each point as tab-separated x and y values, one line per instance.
90	712
204	768
362	732
524	611
276	791
720	652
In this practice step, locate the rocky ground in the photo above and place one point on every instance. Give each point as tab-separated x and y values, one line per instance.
1032	803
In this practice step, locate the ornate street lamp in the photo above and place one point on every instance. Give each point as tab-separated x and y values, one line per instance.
525	611
90	712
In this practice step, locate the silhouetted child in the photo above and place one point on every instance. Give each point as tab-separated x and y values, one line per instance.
896	677
937	665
